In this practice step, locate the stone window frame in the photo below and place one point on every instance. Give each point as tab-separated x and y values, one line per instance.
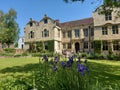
45	21
86	32
77	33
31	24
69	46
105	45
64	45
92	31
85	45
116	45
69	34
115	29
31	34
108	16
45	33
104	30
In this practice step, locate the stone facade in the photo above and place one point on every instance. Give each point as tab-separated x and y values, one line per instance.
76	35
107	29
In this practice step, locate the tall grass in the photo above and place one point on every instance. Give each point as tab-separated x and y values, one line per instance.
43	76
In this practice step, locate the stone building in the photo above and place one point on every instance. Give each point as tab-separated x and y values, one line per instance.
75	36
107	30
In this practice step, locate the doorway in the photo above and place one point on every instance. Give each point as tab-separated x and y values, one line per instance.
77	47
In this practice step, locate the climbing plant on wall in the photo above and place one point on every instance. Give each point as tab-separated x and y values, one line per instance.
97	46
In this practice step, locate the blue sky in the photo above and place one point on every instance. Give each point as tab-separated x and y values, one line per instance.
56	9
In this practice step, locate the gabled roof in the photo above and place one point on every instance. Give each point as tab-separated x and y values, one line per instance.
85	21
33	21
46	17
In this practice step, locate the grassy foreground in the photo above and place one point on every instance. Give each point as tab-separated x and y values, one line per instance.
105	71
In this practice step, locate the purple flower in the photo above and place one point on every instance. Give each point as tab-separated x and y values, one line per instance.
70	62
56	59
81	67
54	68
45	58
71	59
63	64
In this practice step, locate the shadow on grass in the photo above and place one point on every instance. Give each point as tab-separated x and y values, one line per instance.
107	74
25	68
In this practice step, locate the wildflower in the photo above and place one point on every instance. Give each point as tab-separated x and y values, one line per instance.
54	68
63	64
70	61
45	58
81	69
56	59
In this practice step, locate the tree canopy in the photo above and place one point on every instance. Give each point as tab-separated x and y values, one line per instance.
9	29
110	4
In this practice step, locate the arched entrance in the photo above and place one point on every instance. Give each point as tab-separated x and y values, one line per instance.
77	47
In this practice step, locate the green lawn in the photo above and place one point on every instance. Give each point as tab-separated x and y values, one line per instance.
105	71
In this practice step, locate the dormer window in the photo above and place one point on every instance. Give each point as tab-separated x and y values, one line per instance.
45	21
108	16
31	24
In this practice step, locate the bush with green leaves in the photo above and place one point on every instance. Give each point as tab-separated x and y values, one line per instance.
9	50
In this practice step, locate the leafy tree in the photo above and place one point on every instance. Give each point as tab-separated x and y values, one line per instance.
106	6
9	31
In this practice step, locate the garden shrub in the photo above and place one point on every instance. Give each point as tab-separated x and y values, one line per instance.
9	50
96	56
6	54
113	57
17	55
24	54
49	54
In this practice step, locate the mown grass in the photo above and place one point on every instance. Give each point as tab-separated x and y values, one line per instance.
105	71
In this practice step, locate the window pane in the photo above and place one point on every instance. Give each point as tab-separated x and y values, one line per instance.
69	45
85	45
108	16
77	33
69	34
105	45
115	29
64	46
116	45
92	31
104	31
45	21
86	32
